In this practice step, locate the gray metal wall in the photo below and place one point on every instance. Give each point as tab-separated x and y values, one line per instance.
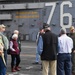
30	0
28	21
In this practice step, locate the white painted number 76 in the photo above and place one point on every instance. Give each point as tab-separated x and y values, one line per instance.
62	14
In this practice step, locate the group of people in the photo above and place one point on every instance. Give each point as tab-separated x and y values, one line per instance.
57	52
14	45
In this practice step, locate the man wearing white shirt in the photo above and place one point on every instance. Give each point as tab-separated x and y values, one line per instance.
65	45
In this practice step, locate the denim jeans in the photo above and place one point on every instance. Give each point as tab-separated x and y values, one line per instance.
37	56
64	65
2	67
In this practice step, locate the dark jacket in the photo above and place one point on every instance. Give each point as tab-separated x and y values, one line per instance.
72	35
19	43
15	46
50	46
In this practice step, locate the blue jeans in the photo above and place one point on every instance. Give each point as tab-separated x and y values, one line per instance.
37	56
2	67
64	65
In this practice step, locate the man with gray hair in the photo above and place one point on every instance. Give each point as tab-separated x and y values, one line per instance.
63	31
65	45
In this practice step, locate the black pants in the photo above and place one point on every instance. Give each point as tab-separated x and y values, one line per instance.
73	62
13	57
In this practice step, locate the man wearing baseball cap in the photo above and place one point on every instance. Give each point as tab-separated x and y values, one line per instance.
48	51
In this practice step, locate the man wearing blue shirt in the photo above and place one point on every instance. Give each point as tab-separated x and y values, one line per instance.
65	45
40	34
